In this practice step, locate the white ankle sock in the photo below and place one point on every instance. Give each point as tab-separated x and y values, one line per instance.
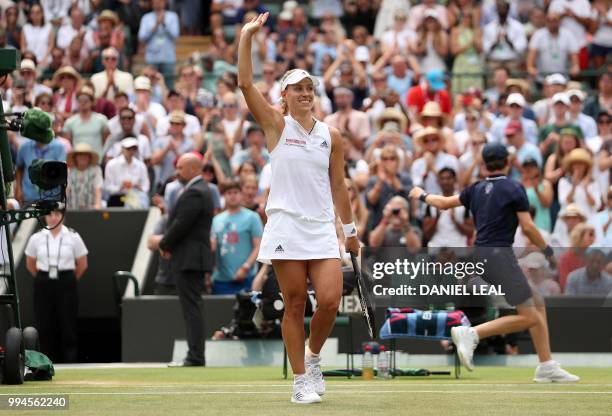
548	363
310	353
475	334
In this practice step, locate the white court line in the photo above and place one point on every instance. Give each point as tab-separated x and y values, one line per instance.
246	393
377	383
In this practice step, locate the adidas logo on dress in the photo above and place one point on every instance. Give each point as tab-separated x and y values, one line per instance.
279	249
324	144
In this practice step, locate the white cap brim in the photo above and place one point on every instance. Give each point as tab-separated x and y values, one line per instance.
575	93
129	142
561	98
516	98
555	79
297	76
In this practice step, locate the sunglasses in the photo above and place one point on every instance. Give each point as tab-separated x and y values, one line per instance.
603	121
133	148
470	119
230	105
45	102
387	158
432	140
379	79
188	74
127	117
176	123
110	58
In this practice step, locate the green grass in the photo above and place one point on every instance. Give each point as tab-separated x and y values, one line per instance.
261	391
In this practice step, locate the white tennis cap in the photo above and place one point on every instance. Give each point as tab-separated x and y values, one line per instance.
575	93
555	79
516	98
296	76
561	97
129	142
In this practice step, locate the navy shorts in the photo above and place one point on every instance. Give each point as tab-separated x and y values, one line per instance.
599	50
502	269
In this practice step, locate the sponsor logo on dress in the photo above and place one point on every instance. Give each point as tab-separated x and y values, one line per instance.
279	249
324	144
295	142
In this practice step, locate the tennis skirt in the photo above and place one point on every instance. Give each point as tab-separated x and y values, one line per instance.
290	237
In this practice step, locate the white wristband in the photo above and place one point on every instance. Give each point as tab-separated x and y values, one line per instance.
350	230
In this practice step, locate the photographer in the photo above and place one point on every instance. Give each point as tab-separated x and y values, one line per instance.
394	230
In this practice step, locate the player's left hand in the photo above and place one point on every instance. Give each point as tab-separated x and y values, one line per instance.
351	245
165	254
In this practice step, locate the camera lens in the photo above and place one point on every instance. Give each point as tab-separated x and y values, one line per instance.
395	211
53	173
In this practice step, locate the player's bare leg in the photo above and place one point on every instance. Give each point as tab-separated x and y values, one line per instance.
326	278
291	275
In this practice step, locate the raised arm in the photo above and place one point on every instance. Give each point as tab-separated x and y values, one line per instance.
268	118
438	201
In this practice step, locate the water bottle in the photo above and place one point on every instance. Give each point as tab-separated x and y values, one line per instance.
367	364
383	363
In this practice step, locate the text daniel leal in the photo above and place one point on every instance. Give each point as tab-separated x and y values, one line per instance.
439	290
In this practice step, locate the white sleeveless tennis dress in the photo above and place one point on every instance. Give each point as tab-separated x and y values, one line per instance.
301	219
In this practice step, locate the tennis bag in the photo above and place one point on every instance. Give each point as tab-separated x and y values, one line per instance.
415	323
40	366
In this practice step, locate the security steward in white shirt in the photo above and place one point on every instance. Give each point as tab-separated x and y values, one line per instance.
57	258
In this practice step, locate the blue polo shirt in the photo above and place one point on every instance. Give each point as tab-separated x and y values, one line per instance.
234	234
28	152
494	203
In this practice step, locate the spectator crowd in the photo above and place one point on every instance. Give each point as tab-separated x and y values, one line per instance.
416	88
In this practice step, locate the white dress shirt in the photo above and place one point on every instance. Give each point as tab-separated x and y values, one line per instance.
124	81
192	126
503	51
66	33
581	8
119	170
60	251
430	182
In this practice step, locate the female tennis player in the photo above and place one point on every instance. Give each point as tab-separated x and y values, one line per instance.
299	239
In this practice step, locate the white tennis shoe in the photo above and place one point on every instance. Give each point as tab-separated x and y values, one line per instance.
465	339
553	373
303	392
313	372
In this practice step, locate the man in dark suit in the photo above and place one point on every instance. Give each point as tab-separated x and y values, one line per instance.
186	244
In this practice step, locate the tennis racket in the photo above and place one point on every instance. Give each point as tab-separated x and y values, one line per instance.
367	307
